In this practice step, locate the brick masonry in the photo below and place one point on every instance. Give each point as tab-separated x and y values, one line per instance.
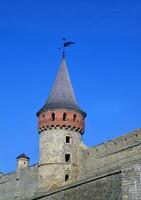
46	121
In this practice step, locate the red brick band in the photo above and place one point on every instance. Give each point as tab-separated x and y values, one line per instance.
61	118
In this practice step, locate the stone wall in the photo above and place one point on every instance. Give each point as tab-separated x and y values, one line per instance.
131	181
21	185
52	164
110	155
111	170
107	187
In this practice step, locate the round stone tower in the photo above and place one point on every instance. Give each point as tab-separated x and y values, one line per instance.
22	162
60	127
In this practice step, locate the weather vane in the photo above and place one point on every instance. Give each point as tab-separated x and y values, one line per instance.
65	44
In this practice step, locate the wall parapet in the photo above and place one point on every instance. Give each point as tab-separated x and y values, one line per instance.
118	144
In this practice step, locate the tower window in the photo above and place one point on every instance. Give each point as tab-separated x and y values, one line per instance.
74	117
66	177
67	139
52	116
67	157
64	116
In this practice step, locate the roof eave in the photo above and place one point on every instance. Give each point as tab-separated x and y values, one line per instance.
56	108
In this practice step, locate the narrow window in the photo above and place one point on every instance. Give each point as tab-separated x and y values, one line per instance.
66	177
74	117
64	116
52	116
67	157
67	139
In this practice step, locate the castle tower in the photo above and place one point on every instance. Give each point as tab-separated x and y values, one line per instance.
22	162
60	126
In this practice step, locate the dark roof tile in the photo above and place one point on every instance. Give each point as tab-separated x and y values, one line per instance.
62	94
22	156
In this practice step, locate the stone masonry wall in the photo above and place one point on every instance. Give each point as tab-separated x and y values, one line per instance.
21	185
52	164
101	188
131	181
109	171
110	155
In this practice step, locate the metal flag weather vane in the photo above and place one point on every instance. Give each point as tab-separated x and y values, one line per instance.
66	44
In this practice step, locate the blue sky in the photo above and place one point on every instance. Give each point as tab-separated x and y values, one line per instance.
105	68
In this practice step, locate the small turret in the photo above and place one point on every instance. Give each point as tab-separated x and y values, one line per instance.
22	161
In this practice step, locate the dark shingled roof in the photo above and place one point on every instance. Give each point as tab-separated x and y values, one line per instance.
23	156
62	94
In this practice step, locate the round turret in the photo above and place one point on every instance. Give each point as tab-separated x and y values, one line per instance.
22	161
60	126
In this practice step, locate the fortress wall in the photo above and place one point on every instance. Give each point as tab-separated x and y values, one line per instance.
110	155
99	188
19	185
107	171
131	181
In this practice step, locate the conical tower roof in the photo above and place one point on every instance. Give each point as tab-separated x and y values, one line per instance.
62	94
23	155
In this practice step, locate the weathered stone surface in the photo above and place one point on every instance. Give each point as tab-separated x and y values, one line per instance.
131	181
110	155
110	171
21	185
104	188
52	164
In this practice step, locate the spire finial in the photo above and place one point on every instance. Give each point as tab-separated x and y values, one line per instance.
63	54
62	93
65	44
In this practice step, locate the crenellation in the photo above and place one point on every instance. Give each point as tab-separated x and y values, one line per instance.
119	144
96	162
